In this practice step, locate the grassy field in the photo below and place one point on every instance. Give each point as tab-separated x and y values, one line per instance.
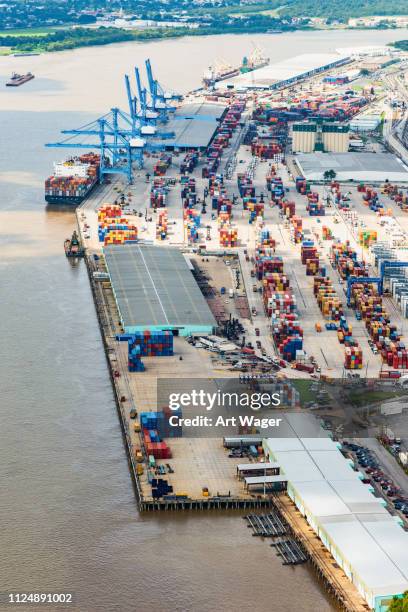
32	31
372	397
303	387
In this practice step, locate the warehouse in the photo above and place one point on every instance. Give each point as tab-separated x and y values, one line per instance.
286	72
358	167
154	289
193	126
310	136
364	539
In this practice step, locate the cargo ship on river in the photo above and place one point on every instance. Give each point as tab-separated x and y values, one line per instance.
73	180
221	72
256	59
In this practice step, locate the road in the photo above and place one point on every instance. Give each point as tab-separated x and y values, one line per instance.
390	466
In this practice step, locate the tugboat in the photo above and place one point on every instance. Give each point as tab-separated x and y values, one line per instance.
73	247
19	79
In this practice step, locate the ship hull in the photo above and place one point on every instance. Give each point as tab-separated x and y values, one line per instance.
18	82
252	68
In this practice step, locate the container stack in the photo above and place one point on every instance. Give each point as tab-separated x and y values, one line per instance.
370	199
314	207
188	193
109	211
245	186
288	336
353	358
367	237
162	224
378	324
228	236
256	210
114	229
288	209
162	164
277	303
345	259
189	162
158	193
135	363
267	263
154	446
327	298
159	422
302	186
266	150
327	234
265	239
296	231
152	344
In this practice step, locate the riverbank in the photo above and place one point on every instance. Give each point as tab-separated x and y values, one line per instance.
66	39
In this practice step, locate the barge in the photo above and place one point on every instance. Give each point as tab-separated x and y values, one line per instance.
19	79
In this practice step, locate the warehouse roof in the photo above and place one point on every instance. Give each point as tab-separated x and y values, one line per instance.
154	287
285	70
371	167
194	125
369	562
351	520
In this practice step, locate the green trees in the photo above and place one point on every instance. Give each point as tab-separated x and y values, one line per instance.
399	604
329	175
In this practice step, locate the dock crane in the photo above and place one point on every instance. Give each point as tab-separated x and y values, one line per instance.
375	280
122	137
162	101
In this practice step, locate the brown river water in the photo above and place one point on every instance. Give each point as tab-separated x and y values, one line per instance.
68	516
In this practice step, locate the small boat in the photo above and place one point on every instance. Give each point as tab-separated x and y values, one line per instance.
73	247
19	79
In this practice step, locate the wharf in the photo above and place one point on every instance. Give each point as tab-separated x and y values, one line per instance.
206	460
332	576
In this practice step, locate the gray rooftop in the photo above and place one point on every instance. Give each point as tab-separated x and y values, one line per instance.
194	125
357	166
153	286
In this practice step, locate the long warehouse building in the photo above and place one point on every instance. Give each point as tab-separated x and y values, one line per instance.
155	290
287	72
367	542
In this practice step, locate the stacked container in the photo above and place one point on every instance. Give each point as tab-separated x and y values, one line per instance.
158	193
162	224
228	236
296	231
353	358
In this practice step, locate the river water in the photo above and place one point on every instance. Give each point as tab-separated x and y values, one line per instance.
68	516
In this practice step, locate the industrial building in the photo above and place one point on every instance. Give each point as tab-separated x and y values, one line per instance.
374	168
310	136
193	125
154	289
367	542
286	72
365	123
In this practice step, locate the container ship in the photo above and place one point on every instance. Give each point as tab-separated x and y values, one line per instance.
73	180
19	79
222	72
219	73
256	60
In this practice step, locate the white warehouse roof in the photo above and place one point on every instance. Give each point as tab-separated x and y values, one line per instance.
353	524
286	70
359	167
